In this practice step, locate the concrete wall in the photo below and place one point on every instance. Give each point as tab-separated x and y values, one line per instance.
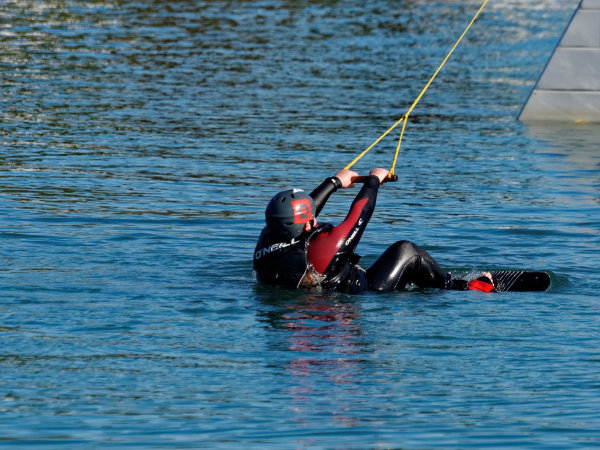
569	87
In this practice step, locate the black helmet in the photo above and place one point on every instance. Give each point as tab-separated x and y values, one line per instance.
287	213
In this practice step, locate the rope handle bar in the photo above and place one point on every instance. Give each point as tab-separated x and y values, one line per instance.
362	179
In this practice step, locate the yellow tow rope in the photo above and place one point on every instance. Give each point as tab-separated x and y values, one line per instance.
404	118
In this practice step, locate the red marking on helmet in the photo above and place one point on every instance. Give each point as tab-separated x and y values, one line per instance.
302	210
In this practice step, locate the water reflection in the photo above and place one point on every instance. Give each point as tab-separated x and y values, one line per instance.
576	161
322	342
577	142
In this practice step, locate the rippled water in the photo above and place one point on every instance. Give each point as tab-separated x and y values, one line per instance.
139	143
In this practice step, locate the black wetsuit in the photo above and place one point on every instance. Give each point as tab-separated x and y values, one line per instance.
325	256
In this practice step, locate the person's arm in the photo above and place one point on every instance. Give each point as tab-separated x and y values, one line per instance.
322	193
342	179
333	246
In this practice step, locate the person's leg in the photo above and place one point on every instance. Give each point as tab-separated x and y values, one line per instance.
404	263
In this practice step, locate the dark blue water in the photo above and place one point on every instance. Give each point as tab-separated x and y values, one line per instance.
139	144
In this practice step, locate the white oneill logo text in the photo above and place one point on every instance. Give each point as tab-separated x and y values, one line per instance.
354	232
274	247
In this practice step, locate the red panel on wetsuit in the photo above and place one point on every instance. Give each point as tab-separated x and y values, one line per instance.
324	247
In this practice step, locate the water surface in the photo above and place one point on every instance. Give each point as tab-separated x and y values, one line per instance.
139	144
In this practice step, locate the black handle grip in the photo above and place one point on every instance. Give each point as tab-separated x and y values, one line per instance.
362	179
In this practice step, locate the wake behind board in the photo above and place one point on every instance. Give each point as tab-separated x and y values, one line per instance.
520	281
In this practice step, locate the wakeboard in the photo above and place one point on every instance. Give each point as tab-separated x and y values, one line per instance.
512	280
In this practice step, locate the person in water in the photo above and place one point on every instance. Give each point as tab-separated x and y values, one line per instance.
295	251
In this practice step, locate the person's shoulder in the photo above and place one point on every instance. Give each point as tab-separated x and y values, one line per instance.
263	237
319	229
